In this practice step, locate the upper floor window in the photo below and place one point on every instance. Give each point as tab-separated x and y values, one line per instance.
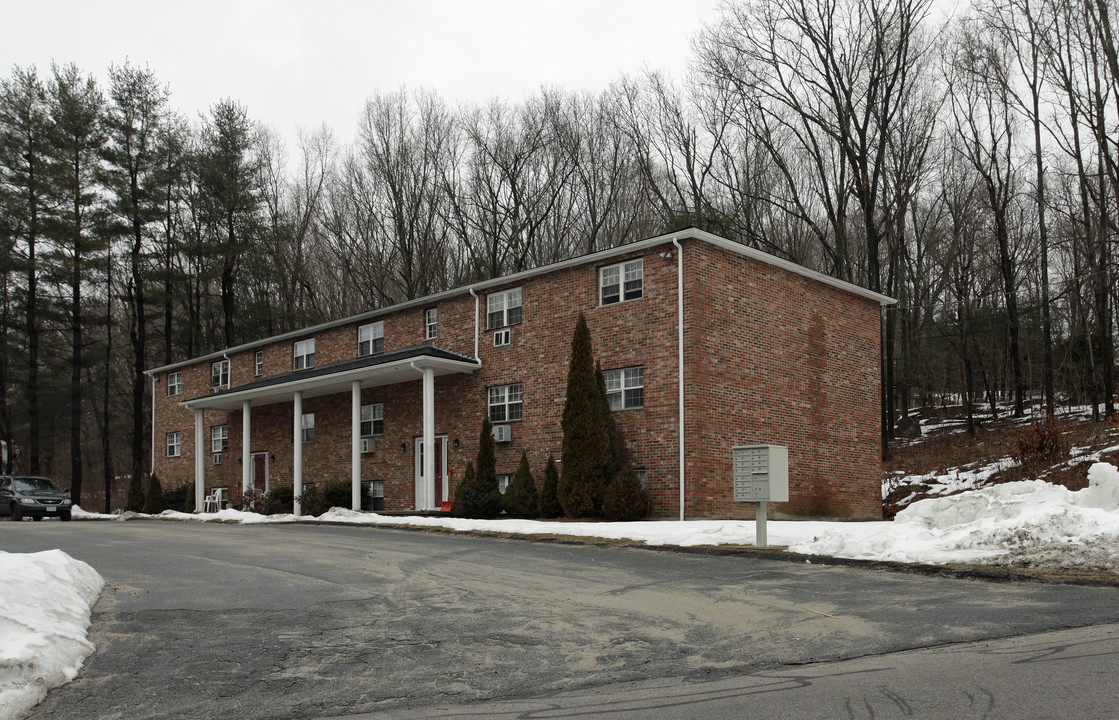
258	366
625	388
219	438
304	354
505	403
503	308
219	374
371	339
624	281
431	323
372	420
175	382
307	426
174	444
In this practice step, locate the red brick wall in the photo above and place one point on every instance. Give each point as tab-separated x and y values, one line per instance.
813	359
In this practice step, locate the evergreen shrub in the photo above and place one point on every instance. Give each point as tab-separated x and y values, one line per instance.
520	497
154	502
625	500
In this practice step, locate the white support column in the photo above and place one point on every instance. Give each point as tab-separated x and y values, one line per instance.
355	445
246	446
429	439
199	459
297	452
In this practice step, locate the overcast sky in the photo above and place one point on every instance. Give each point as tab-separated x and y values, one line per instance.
312	62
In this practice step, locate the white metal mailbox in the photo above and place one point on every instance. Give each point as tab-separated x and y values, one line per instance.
761	473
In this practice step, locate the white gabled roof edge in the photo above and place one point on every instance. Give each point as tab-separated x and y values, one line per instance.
691	233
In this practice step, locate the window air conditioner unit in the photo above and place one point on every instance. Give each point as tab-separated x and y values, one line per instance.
502	337
217	458
502	433
368	445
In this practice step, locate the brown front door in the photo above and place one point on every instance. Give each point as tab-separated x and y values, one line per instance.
438	485
260	471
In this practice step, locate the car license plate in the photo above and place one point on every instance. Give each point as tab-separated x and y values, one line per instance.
51	509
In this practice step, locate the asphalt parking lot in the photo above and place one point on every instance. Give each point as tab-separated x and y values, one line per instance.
317	621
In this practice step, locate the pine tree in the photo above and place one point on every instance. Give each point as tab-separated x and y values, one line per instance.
580	485
134	500
153	502
478	496
520	497
549	504
461	503
611	453
625	499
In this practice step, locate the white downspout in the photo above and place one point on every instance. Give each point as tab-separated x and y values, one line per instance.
680	359
155	379
475	296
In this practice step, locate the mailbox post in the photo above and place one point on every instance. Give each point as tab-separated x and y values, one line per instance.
761	475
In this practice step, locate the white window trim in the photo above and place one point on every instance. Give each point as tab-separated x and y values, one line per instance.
303	354
222	372
174	444
503	393
636	266
503	302
373	332
503	482
258	364
174	383
624	380
371	413
431	323
219	438
307	422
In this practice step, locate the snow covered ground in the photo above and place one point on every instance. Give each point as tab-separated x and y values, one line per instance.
45	603
1020	523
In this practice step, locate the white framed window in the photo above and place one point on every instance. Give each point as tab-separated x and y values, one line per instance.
219	374
503	308
219	438
304	354
372	420
503	483
505	403
640	473
621	282
258	363
431	323
174	444
371	339
175	383
625	388
307	425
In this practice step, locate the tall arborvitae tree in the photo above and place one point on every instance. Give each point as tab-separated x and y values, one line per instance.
610	452
548	502
24	152
520	497
76	106
137	106
477	495
154	502
581	483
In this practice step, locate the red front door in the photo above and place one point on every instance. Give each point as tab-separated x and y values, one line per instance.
438	485
260	471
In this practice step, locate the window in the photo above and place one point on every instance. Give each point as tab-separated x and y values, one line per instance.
258	368
307	424
503	483
304	354
371	339
505	403
640	473
219	438
219	374
175	382
623	281
431	323
174	444
503	308
372	420
625	388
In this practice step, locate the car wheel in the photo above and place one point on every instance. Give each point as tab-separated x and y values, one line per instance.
37	518
64	517
17	512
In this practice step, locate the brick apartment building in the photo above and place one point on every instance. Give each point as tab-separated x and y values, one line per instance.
757	350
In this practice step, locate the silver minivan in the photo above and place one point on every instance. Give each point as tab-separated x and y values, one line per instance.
32	496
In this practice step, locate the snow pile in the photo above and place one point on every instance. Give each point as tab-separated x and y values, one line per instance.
1021	523
45	603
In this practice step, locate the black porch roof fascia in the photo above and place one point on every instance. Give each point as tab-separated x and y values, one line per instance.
410	353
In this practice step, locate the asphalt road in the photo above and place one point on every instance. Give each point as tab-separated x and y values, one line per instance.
315	622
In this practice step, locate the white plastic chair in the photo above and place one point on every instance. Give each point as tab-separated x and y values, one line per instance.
213	502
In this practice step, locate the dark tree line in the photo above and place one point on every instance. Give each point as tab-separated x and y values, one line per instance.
967	167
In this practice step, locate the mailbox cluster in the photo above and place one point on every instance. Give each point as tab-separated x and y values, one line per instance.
761	473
